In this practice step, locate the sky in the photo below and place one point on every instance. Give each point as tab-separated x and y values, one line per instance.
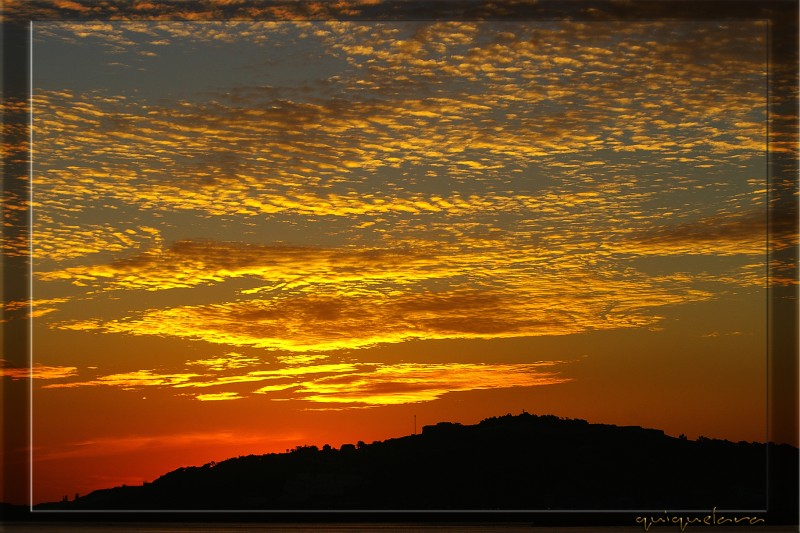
249	236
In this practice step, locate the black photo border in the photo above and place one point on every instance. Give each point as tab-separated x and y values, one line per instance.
782	98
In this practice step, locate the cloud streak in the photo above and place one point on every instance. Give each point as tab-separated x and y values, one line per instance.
721	235
38	371
130	380
323	322
414	383
189	263
362	384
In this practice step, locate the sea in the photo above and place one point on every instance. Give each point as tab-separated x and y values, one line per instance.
116	527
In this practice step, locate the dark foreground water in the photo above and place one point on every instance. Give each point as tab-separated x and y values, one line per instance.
302	528
359	528
292	528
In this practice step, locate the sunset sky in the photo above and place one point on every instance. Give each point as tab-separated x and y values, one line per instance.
249	236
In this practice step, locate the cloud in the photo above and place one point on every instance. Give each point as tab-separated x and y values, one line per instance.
555	97
61	242
268	375
230	360
544	104
214	377
218	396
781	272
413	383
31	309
300	359
337	134
730	234
189	263
343	383
225	10
130	380
468	180
333	321
38	371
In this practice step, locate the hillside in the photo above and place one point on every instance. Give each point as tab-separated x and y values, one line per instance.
523	462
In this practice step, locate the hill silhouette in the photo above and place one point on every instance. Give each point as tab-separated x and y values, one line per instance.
523	462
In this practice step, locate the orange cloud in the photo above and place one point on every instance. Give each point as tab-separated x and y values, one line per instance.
343	383
130	380
228	361
265	375
189	263
459	133
24	304
39	371
300	359
508	206
413	383
70	241
218	396
551	305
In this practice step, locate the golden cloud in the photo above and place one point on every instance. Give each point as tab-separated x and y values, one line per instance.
16	305
130	380
219	396
300	359
68	241
230	360
549	305
292	152
413	383
460	133
360	384
189	263
39	371
499	207
266	375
